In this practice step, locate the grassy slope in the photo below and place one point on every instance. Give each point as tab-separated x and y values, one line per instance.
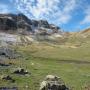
47	59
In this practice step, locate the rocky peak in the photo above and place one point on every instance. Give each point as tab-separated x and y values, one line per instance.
22	24
43	23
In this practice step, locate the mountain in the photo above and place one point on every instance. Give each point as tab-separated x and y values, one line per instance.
13	26
12	23
78	39
20	29
16	22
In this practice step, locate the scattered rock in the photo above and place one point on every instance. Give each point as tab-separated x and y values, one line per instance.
7	78
52	82
21	71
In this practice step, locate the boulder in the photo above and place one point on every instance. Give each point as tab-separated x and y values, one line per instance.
52	82
7	78
21	71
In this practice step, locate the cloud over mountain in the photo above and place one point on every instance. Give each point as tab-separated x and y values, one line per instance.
57	11
68	14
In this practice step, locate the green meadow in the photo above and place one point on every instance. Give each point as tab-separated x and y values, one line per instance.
71	64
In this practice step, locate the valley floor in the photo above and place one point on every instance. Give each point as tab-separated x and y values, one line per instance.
71	64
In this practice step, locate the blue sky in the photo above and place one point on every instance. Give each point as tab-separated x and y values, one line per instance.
70	15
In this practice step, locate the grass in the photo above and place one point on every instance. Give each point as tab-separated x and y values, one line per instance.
44	59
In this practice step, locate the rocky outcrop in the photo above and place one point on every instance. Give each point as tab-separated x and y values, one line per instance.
54	28
7	23
21	71
13	23
8	52
15	27
7	78
43	23
52	82
21	24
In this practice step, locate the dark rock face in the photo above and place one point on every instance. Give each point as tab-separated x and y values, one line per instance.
7	24
24	23
17	22
43	23
21	17
10	24
14	22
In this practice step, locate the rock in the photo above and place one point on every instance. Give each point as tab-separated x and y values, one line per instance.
24	28
52	77
35	23
16	26
7	78
2	64
16	22
21	71
8	52
23	24
43	23
54	28
52	82
13	22
7	23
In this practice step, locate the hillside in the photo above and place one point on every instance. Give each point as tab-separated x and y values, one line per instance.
23	29
17	22
42	49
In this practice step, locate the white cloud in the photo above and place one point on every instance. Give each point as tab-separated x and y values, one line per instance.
4	8
56	11
86	20
65	14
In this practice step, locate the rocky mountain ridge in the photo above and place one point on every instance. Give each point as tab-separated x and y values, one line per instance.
19	22
18	28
